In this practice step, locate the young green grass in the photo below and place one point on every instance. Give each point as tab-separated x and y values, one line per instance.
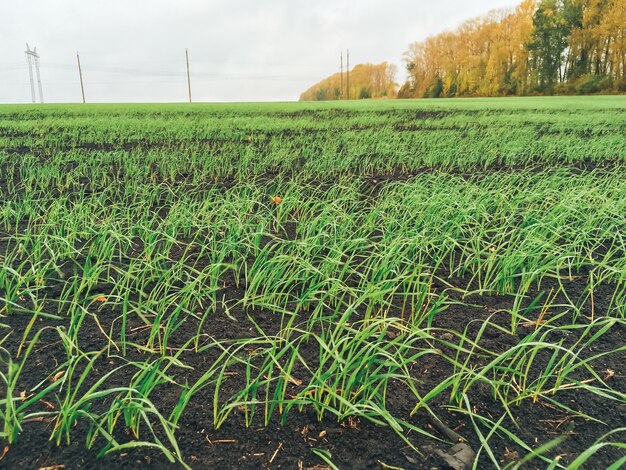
129	231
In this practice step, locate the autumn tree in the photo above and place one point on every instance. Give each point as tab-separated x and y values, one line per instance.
560	46
366	81
484	56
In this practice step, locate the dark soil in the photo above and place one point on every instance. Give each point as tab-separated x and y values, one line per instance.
352	443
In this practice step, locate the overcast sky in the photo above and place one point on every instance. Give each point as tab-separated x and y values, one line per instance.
239	50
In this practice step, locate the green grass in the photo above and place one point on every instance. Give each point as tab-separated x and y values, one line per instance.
148	221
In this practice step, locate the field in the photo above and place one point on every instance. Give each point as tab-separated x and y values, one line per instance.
385	284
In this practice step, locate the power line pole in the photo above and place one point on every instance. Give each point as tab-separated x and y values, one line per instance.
38	76
29	59
80	74
188	77
348	73
33	58
341	78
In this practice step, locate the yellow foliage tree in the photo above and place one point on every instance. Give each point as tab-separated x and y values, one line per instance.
484	56
366	81
562	46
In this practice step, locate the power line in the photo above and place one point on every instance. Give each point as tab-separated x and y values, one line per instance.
9	67
133	71
105	74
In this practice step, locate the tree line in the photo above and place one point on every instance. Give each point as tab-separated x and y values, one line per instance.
540	47
545	47
365	81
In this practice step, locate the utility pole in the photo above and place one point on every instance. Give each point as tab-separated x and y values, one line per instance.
341	78
30	73
80	74
188	77
38	77
33	57
348	73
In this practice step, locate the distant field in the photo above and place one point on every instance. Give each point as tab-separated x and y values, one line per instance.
284	285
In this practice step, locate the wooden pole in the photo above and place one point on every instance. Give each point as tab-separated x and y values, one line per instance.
348	74
80	74
341	78
188	76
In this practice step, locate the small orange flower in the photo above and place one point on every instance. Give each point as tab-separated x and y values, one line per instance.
277	200
101	298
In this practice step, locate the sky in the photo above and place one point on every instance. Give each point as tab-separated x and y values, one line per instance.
239	50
